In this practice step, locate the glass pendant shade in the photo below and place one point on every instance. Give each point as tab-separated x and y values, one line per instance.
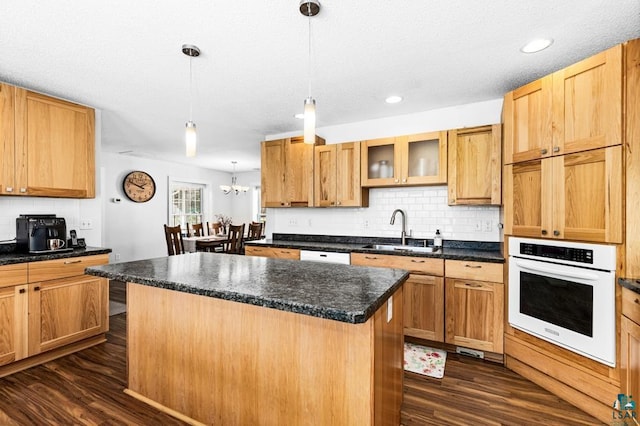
190	139
309	121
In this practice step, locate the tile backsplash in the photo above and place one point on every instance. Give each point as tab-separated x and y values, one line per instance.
425	207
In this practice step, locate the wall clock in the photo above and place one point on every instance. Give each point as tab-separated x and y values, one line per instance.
139	186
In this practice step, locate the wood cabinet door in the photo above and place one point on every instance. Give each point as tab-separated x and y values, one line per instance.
272	173
324	176
474	314
630	357
424	159
527	198
380	162
66	310
474	165
349	191
60	143
527	121
424	307
587	195
299	173
7	140
587	103
13	323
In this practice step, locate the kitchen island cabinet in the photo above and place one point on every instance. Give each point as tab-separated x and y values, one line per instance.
630	342
252	340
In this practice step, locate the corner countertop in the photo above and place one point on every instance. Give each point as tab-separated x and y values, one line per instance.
455	250
10	258
343	293
630	283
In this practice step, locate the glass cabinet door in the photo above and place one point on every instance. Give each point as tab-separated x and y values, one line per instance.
380	162
425	159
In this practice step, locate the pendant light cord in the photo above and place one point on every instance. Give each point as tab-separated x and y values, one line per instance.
309	57
190	88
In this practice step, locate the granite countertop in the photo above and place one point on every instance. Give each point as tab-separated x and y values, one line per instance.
630	283
457	250
9	258
338	292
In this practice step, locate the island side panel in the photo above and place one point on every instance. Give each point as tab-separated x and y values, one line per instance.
223	362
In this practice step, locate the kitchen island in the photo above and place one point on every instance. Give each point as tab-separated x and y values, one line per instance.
224	339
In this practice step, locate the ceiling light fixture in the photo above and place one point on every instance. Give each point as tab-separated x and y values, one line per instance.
234	187
309	8
393	99
536	45
190	133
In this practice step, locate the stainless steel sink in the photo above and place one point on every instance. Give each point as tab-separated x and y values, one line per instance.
394	248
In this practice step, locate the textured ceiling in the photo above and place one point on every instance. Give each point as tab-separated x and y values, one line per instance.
124	57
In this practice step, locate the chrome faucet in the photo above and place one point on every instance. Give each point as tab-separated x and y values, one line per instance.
403	235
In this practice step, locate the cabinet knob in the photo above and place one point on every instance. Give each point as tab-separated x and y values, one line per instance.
556	149
556	233
473	266
396	180
543	151
338	203
544	232
332	203
36	288
23	190
404	180
9	189
22	290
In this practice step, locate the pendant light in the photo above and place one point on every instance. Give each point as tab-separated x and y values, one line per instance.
309	8
190	135
234	188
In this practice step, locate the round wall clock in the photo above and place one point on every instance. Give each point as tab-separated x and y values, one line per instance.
139	186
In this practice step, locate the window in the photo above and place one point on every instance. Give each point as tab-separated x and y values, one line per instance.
186	203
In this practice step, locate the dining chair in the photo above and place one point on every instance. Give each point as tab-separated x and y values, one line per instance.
173	235
195	230
255	231
215	228
235	237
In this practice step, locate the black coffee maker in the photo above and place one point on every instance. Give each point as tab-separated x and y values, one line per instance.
36	232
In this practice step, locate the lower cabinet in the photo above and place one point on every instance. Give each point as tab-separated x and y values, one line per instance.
630	344
280	253
474	305
40	316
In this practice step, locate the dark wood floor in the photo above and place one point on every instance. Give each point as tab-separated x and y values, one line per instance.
87	388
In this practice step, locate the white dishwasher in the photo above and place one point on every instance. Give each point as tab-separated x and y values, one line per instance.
325	256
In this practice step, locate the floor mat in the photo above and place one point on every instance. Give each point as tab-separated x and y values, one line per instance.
423	360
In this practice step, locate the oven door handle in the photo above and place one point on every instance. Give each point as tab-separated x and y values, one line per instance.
548	269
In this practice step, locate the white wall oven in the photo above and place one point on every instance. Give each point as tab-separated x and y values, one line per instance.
564	292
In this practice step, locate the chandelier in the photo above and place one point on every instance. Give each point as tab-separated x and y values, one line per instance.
234	187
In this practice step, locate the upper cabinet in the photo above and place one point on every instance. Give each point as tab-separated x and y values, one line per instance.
47	146
337	176
419	159
575	109
287	172
475	165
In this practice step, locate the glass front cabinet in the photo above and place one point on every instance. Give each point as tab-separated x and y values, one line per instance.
419	159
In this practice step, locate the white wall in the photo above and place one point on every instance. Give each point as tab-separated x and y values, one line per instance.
135	230
426	207
242	207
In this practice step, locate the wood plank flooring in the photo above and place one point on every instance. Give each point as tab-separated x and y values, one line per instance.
86	388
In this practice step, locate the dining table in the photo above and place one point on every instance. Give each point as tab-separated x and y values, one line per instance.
191	244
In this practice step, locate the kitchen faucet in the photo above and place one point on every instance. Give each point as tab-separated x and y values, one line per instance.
403	235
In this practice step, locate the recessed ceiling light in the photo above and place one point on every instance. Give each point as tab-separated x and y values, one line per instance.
536	45
299	116
393	99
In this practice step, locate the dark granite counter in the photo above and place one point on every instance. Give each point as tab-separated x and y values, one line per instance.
458	250
337	292
9	258
630	283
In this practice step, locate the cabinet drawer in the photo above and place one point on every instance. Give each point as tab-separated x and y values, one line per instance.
414	264
61	268
631	305
13	274
481	271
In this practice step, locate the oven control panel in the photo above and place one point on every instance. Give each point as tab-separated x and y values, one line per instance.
571	254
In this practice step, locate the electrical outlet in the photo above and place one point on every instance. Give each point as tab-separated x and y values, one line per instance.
117	256
487	225
293	222
86	224
366	223
478	226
